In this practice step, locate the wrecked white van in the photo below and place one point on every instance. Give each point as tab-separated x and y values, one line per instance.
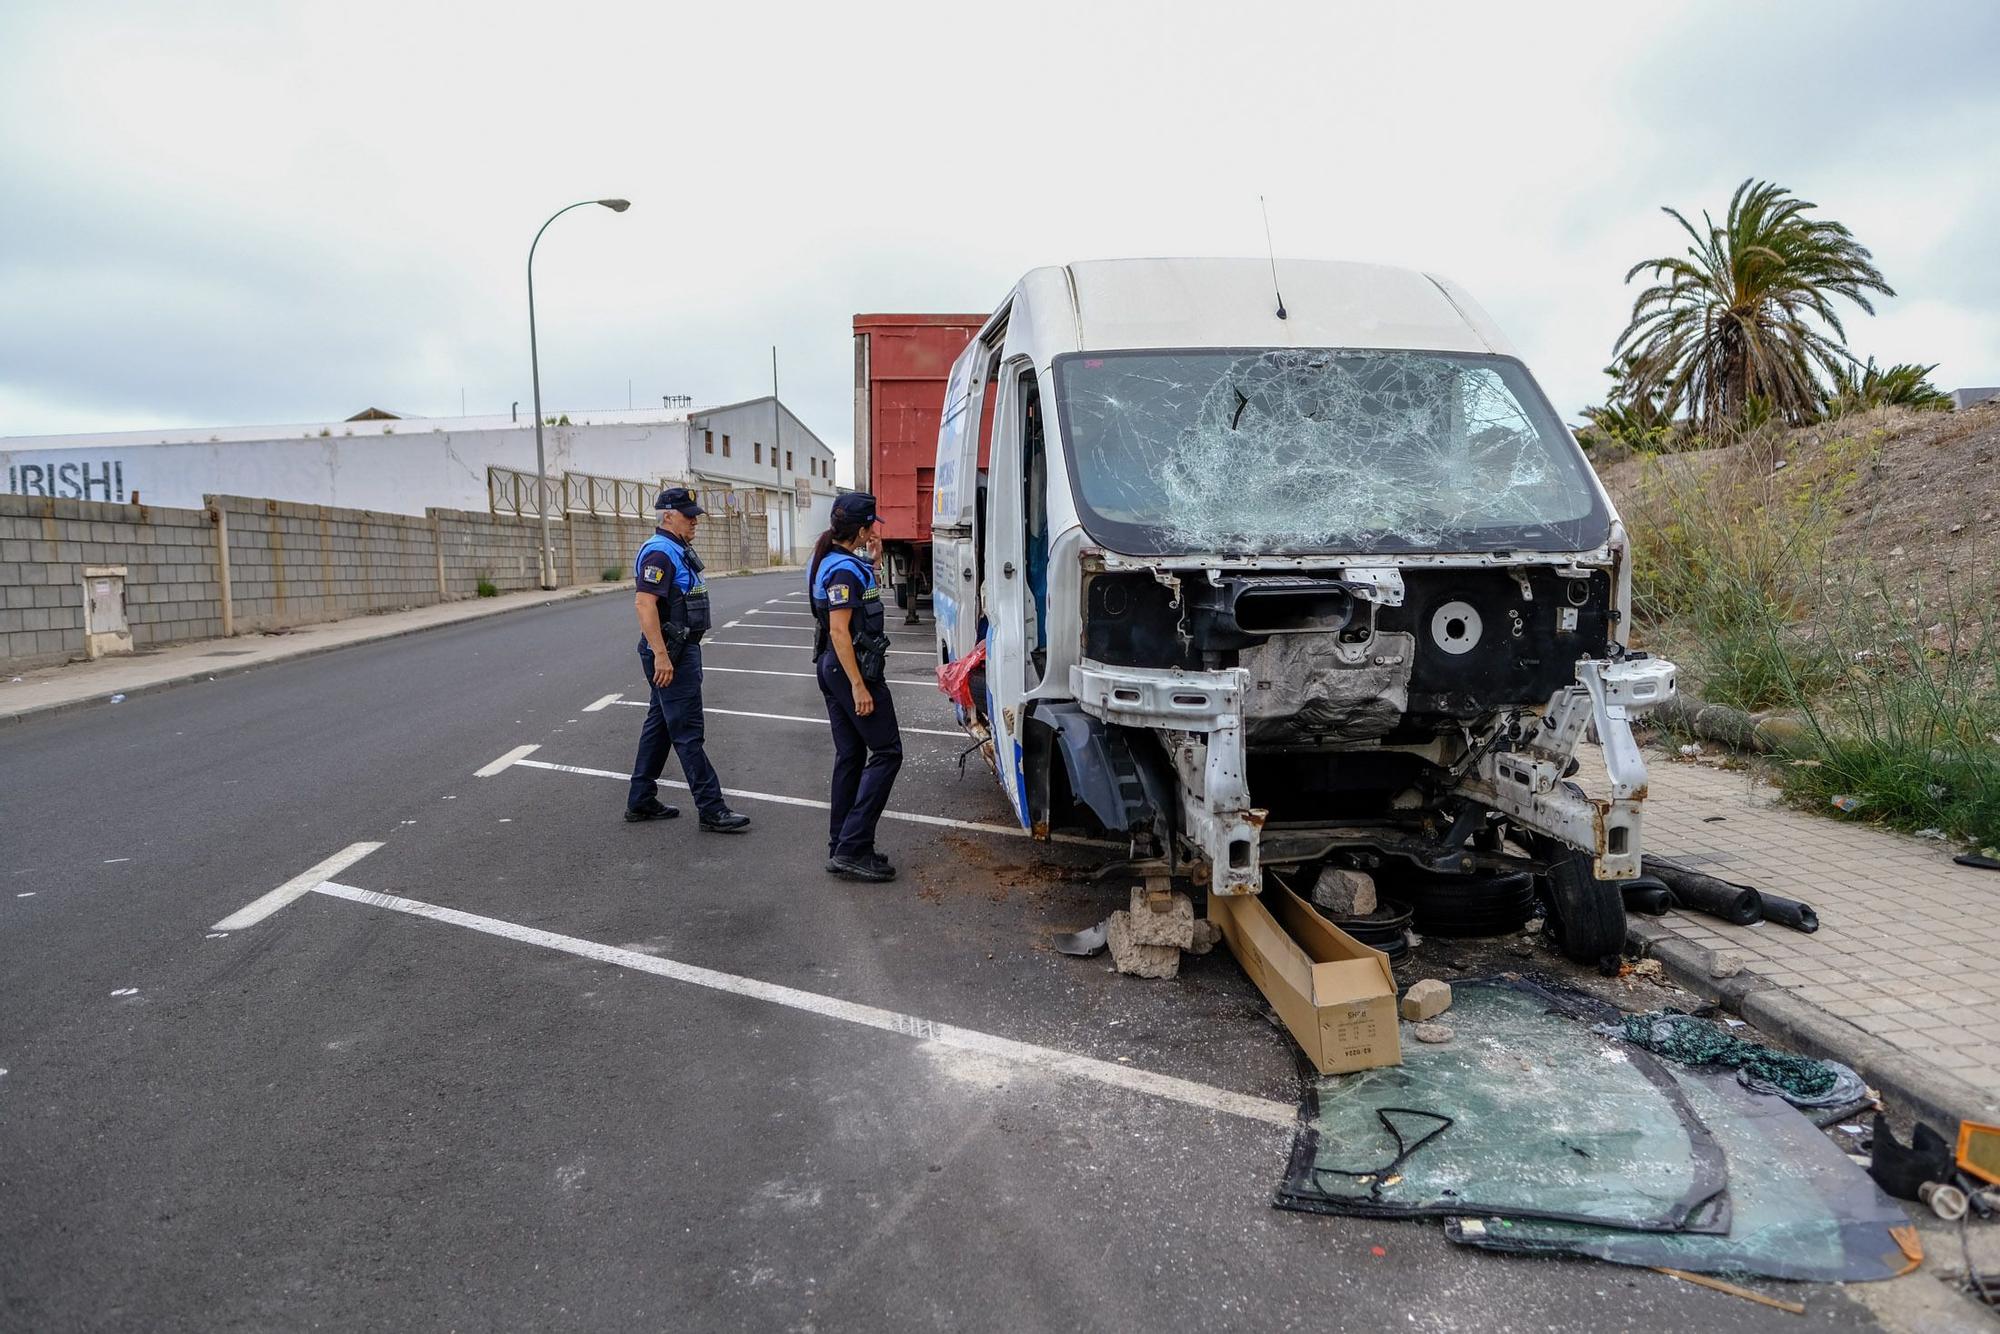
1283	581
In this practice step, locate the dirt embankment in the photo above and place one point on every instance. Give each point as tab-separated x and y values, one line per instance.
1914	494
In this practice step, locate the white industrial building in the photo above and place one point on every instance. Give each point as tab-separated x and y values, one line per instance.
406	465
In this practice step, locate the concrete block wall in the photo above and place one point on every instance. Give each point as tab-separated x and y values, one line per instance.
294	564
171	589
498	548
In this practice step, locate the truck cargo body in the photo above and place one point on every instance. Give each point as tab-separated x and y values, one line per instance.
901	363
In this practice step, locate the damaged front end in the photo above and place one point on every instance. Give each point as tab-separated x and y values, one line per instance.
1298	708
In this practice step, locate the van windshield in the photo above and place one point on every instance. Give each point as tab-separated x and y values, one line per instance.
1303	450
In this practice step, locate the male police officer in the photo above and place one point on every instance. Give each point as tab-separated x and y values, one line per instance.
672	602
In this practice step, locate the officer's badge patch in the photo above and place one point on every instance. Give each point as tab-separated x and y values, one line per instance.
654	574
838	595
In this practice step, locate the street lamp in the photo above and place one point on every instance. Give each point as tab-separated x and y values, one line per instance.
548	560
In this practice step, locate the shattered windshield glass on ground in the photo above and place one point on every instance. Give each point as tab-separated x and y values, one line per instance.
1290	450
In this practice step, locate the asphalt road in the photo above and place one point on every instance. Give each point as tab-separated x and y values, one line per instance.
360	1113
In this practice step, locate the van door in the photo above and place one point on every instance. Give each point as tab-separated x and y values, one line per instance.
954	512
1007	605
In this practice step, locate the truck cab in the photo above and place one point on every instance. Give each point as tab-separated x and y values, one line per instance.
1264	583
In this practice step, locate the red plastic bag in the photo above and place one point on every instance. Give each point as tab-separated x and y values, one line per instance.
955	678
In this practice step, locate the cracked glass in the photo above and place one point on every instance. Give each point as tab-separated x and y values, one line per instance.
1312	450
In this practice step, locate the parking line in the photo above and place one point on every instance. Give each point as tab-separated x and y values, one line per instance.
907	817
258	909
790	718
511	757
764	671
599	704
739	643
1047	1059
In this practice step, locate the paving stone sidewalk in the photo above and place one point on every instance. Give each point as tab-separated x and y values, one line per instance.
1908	950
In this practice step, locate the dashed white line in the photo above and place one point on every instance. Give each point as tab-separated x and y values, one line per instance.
596	705
1028	1054
511	757
257	910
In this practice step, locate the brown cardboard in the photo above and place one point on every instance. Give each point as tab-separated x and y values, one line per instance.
1336	995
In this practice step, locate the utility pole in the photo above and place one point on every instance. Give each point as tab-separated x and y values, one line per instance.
787	544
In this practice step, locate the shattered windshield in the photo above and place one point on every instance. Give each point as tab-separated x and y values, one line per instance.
1299	450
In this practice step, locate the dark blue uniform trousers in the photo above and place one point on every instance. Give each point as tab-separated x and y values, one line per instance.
674	722
867	752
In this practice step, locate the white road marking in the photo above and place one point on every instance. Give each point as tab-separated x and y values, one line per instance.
908	817
216	935
29	895
1047	1059
509	758
799	718
731	625
762	671
742	643
126	991
596	705
256	911
113	861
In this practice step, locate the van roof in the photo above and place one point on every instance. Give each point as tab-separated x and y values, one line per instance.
1132	303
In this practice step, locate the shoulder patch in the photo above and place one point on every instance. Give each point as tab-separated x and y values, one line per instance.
654	573
839	595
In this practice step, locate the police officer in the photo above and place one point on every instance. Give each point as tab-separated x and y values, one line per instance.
672	603
849	658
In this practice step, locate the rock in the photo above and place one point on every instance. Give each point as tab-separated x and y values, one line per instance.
1781	732
1649	968
1342	893
1432	1032
1137	960
1426	999
1724	963
1207	935
1168	921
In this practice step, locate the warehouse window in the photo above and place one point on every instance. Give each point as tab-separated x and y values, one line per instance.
725	446
708	442
788	462
758	446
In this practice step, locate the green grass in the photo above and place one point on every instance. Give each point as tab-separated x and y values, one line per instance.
487	589
612	574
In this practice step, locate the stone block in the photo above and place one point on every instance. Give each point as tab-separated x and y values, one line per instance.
1137	960
1165	921
1724	963
1432	1033
1425	1000
1207	935
1342	893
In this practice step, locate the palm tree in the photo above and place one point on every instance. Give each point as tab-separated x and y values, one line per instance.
1748	312
1906	384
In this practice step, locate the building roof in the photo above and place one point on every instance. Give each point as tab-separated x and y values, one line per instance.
1177	303
194	435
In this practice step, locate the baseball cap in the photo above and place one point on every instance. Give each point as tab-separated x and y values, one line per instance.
857	505
678	498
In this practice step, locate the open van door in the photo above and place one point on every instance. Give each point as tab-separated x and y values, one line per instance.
1014	389
955	509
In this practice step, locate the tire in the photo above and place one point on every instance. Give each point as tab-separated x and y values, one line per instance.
1587	915
1462	905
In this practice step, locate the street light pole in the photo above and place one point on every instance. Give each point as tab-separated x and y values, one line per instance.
547	562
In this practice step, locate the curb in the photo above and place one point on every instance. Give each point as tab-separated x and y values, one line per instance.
216	673
1934	1094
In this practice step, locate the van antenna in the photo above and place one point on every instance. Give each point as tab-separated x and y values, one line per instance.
1272	252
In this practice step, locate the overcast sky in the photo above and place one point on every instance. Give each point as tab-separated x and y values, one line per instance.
232	213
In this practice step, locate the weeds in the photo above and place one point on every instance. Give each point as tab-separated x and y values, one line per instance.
612	574
1893	686
487	589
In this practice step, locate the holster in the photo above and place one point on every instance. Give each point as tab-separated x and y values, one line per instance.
871	654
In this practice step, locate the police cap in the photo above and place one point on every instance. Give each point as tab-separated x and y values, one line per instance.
678	498
857	506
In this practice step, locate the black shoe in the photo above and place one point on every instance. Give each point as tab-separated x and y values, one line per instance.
861	868
881	861
729	822
654	809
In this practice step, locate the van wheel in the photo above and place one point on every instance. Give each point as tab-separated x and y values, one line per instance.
1587	915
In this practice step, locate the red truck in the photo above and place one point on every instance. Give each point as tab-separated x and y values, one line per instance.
901	363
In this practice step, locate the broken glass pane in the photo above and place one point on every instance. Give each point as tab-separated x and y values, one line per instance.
1289	450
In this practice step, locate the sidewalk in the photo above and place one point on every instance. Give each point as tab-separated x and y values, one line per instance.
47	690
1901	981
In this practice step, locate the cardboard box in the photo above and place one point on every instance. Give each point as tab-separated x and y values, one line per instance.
1335	994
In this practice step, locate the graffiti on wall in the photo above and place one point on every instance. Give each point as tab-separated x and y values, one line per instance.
68	481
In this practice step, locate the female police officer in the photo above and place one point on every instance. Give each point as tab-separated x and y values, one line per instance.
849	648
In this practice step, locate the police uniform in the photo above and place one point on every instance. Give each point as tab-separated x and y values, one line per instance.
668	568
867	751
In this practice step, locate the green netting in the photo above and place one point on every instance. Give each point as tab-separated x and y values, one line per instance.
1526	1112
1800	1208
1691	1041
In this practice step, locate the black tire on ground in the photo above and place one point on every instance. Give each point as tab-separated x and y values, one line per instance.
1465	905
1586	914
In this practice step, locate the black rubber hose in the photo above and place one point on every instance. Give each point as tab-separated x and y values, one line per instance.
1737	904
1789	912
1651	899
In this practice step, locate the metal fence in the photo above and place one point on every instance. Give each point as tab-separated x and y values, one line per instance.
511	491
